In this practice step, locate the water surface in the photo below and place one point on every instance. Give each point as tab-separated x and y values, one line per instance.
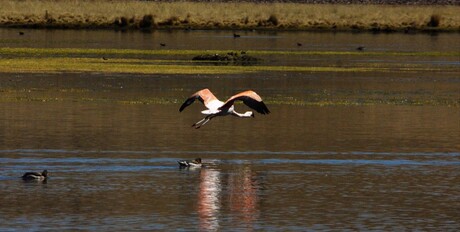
340	151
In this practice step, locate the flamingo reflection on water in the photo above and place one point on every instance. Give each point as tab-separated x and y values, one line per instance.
209	203
220	108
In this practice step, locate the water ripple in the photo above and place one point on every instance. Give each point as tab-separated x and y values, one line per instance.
256	152
47	157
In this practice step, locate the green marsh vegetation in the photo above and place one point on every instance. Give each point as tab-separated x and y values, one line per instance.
54	60
217	15
62	62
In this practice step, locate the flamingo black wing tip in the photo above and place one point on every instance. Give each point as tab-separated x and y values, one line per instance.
264	109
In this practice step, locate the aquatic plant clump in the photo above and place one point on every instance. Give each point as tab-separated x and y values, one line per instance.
238	58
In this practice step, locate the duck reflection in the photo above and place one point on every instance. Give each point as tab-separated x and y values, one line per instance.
208	199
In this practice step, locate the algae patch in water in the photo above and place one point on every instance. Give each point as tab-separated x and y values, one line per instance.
59	65
28	52
58	60
14	96
56	65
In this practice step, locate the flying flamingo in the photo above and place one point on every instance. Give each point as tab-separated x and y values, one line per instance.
219	108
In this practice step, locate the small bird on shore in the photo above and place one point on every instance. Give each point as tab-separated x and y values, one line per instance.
190	163
299	44
360	48
21	33
35	175
162	44
236	35
220	108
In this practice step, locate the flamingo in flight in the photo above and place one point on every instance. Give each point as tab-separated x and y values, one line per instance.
220	108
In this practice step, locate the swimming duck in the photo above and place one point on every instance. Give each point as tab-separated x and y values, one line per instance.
190	163
35	175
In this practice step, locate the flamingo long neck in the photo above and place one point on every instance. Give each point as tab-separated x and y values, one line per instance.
247	114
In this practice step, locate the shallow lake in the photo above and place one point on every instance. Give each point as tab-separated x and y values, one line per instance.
339	150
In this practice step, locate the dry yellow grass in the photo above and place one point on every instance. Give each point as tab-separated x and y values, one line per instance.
211	15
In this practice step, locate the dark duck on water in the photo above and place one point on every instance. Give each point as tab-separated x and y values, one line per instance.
35	175
190	163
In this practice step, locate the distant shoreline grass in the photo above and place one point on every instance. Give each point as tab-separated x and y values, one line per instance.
146	15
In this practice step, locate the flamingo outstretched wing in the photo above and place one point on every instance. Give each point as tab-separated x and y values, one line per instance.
251	99
204	96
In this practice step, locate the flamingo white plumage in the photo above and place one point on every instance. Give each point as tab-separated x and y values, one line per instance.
220	108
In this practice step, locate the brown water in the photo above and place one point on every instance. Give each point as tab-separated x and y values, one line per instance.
393	164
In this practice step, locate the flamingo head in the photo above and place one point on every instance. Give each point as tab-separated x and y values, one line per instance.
249	114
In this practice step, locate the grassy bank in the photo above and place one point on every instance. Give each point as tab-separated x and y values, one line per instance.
201	15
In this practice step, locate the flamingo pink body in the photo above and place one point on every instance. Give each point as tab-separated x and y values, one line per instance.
220	108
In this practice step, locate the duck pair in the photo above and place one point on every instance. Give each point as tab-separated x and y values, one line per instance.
43	175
